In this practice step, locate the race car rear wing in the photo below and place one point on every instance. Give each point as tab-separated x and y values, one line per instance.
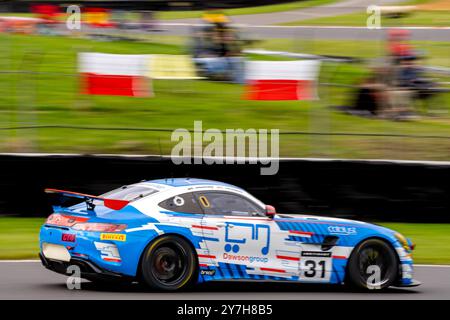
114	204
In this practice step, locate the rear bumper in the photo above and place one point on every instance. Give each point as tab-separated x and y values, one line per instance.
88	270
108	256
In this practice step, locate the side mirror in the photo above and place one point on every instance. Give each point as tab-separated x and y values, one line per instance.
270	211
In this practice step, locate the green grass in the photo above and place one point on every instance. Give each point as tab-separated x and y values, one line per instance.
436	51
51	98
415	19
432	241
19	239
359	19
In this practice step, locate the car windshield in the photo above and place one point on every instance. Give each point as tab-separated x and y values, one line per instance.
129	193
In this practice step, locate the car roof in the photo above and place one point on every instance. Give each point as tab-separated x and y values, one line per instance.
183	182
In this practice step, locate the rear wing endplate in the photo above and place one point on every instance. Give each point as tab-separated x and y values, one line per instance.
114	204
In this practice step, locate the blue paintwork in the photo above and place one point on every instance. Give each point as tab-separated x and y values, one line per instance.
136	242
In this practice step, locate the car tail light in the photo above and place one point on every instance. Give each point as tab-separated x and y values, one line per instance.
99	227
67	237
62	220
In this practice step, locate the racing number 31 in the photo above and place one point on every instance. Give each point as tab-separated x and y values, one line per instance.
316	269
311	269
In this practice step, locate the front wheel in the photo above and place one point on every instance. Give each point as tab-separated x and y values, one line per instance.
168	264
372	265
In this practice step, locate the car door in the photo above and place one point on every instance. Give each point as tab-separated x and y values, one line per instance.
315	244
242	238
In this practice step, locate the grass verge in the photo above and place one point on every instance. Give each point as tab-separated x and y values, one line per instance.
432	241
359	19
39	86
19	238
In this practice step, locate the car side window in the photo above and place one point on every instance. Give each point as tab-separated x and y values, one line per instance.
225	203
182	203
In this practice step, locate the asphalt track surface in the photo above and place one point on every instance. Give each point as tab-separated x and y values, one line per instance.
264	26
261	32
329	10
30	280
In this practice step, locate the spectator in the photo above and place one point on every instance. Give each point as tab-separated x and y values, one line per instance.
372	96
398	45
217	52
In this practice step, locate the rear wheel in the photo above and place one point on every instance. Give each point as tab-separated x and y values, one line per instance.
169	264
373	265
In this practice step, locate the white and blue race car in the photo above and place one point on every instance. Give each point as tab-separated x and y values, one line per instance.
171	233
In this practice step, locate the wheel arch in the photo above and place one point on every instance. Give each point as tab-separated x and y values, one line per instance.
153	240
389	241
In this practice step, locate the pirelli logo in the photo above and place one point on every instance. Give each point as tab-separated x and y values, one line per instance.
113	236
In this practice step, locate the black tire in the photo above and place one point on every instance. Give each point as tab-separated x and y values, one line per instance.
169	264
369	253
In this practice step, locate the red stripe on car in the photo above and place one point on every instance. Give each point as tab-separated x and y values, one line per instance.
273	270
289	258
205	227
206	256
112	259
304	233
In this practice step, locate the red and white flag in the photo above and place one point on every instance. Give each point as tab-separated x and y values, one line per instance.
114	74
282	80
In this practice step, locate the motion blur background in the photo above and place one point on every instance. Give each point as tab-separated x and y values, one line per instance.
40	83
379	93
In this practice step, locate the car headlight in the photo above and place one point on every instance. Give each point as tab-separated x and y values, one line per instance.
404	242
